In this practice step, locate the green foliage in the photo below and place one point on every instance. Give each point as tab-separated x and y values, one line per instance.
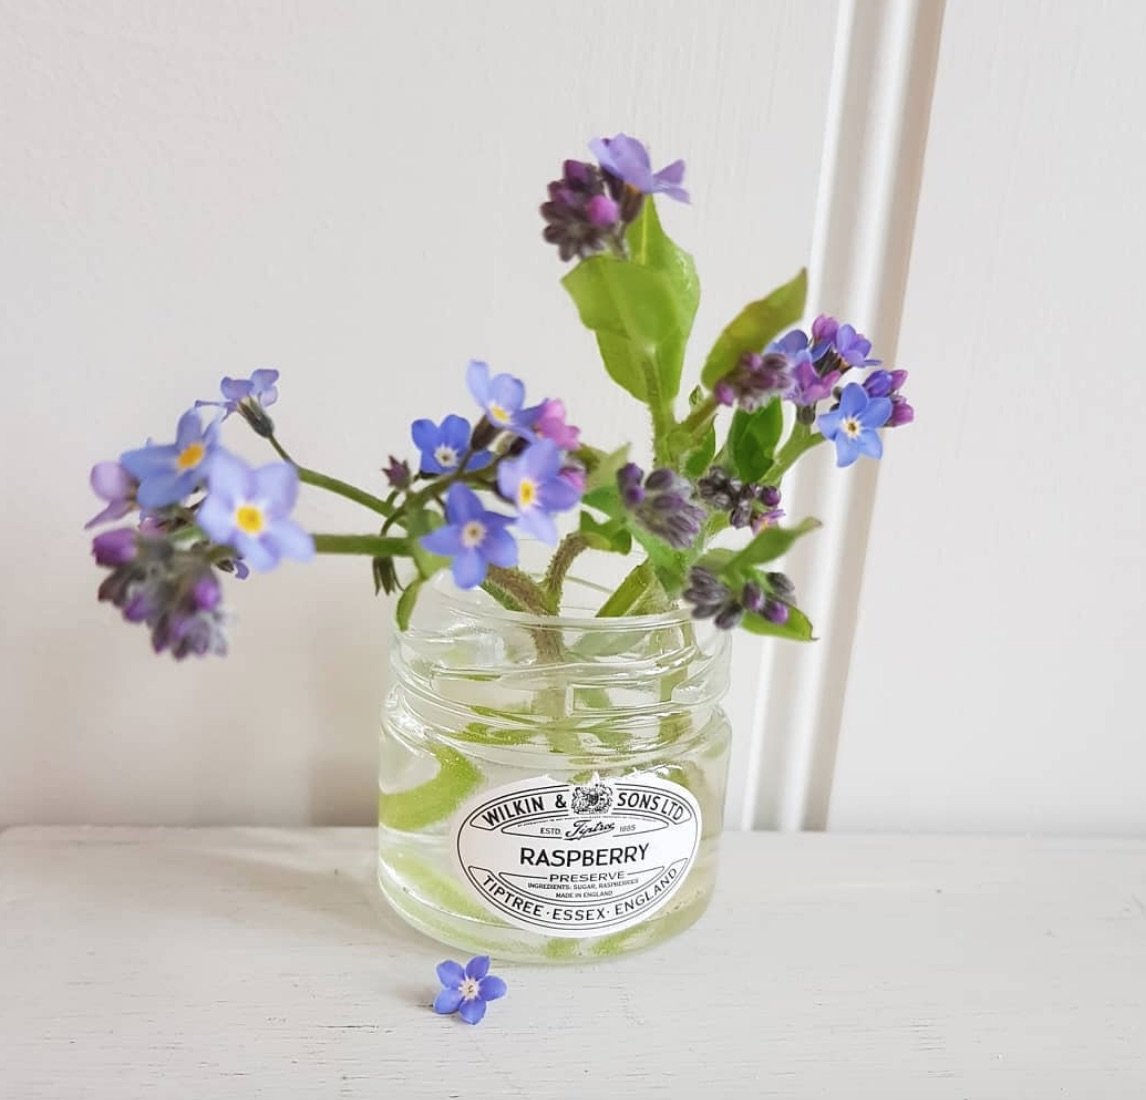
755	325
796	629
752	440
640	308
770	544
434	800
613	535
406	603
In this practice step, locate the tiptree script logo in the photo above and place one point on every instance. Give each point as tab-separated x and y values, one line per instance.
596	798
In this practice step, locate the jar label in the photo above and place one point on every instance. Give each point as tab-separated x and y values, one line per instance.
575	860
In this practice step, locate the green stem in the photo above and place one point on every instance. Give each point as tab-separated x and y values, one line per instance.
697	421
629	591
333	484
563	557
374	546
663	420
525	591
802	440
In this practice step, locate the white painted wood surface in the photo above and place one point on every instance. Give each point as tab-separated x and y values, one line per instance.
258	962
996	676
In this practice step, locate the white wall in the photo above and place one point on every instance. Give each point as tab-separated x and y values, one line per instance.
347	192
996	681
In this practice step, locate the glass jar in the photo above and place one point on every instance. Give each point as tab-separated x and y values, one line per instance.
551	788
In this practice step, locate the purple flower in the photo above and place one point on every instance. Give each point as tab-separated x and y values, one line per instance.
711	598
114	485
662	503
754	380
852	347
116	547
398	473
169	472
467	991
259	389
548	422
501	396
852	426
580	218
537	488
808	385
628	160
887	383
249	510
473	537
444	445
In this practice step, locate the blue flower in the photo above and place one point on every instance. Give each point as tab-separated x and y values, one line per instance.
474	538
260	388
851	346
467	991
852	426
535	485
501	396
169	472
444	445
249	510
628	160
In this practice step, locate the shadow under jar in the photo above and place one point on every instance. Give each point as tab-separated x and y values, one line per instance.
551	788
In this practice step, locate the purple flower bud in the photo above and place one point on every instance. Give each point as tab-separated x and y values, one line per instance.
398	473
901	412
602	211
663	505
755	380
878	383
575	475
769	496
112	548
724	393
775	612
752	597
206	593
824	328
781	585
728	616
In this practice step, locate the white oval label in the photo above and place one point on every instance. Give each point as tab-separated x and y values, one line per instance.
578	859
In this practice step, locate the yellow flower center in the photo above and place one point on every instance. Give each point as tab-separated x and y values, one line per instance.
852	427
497	413
472	534
191	456
526	493
469	988
249	519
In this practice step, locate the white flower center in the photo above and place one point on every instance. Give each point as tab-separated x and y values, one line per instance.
469	988
445	456
852	427
472	534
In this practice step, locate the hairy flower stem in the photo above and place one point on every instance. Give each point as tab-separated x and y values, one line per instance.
333	484
563	557
374	545
524	590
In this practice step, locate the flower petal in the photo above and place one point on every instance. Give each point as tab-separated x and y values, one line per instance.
159	490
847	450
446	541
450	973
447	1001
189	429
425	434
291	541
148	461
276	486
508	392
537	523
876	413
853	400
477	967
258	553
500	548
462	504
456	433
469	568
110	481
216	517
870	444
477	379
829	423
472	1011
230	477
492	988
479	461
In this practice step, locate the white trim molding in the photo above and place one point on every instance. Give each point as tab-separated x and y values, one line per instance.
883	71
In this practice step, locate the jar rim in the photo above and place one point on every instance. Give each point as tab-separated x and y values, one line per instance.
464	602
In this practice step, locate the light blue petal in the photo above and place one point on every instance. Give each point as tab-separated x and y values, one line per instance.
508	392
256	552
450	973
870	444
231	477
477	967
557	495
500	548
148	461
853	400
425	434
472	1011
447	1001
847	450
541	526
446	541
276	487
462	504
469	568
456	433
160	490
829	423
291	541
542	460
491	988
217	518
877	412
509	475
189	430
479	461
477	379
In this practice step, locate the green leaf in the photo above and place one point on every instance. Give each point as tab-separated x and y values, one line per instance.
755	325
419	524
771	543
406	603
752	440
797	628
697	461
602	468
606	499
432	801
612	536
641	308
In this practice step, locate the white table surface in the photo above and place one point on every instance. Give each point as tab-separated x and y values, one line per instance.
259	962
